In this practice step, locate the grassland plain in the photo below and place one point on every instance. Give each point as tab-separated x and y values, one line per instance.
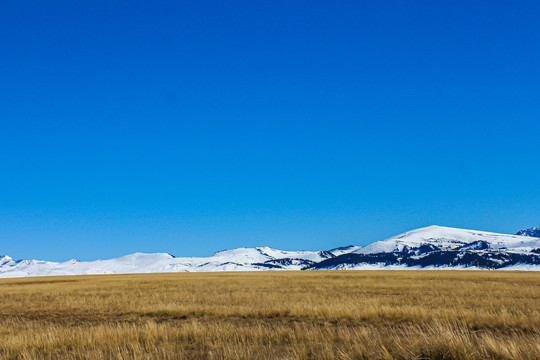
273	315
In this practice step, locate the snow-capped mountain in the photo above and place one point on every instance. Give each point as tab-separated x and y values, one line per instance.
442	247
446	238
533	232
241	259
433	247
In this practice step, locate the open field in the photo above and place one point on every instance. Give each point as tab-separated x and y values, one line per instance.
274	315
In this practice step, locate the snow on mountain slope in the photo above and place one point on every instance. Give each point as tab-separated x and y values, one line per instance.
433	247
446	238
343	250
534	232
6	260
242	259
437	247
262	254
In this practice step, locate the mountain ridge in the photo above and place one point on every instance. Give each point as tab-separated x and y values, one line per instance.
432	247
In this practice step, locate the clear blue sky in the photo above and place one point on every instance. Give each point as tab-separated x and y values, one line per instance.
192	126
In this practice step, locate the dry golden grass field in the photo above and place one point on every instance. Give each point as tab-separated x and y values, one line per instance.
273	315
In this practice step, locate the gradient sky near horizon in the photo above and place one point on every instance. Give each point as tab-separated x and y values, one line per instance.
191	127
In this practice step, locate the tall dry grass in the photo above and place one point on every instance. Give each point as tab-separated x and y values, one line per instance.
274	315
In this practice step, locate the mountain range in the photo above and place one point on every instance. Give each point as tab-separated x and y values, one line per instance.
432	247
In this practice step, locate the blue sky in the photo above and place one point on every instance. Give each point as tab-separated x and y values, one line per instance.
190	127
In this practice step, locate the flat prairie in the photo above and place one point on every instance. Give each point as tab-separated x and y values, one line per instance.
273	315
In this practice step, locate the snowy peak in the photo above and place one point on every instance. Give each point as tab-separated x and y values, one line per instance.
6	260
265	253
447	238
532	232
435	247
